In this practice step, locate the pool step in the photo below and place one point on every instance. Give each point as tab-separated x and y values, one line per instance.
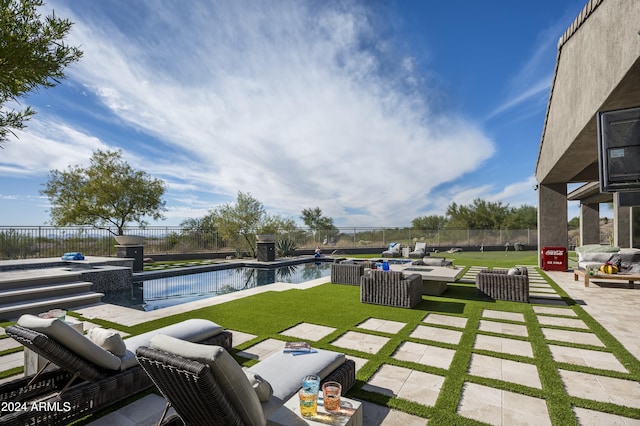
37	290
12	311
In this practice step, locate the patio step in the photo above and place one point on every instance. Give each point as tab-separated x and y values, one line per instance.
35	291
18	295
12	311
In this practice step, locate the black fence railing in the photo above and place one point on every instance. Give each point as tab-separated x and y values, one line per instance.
23	242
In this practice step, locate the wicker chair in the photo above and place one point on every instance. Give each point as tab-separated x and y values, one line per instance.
391	288
192	390
349	272
80	385
498	284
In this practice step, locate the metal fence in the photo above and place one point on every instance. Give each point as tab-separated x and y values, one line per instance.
23	242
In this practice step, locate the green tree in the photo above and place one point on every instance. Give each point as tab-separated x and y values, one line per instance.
32	55
478	215
238	222
109	192
429	222
574	223
314	219
523	217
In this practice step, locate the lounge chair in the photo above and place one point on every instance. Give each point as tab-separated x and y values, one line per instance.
419	251
90	378
393	250
205	385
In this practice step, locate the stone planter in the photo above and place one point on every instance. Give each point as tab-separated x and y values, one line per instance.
129	240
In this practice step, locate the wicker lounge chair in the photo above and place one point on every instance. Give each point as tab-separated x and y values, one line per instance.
504	284
419	251
391	288
207	386
81	387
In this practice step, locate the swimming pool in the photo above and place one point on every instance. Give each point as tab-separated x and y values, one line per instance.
160	293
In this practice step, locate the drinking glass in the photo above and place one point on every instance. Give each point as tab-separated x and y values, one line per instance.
309	396
331	395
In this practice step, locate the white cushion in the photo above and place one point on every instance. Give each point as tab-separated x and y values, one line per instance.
514	271
262	388
74	341
224	368
108	339
192	330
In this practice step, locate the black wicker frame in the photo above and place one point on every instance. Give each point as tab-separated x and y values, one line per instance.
193	392
93	388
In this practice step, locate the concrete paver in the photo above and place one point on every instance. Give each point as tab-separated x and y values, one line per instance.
503	345
580	337
503	328
500	407
436	334
446	320
586	357
405	383
502	315
601	388
308	331
505	370
361	342
384	326
424	354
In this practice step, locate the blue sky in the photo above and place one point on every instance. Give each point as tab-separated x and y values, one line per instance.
375	111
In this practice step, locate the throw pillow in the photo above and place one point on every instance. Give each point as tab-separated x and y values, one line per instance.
514	271
108	339
260	385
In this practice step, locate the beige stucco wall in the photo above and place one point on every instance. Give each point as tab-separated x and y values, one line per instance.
598	69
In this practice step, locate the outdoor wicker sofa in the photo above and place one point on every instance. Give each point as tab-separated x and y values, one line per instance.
504	284
206	386
391	288
349	272
81	386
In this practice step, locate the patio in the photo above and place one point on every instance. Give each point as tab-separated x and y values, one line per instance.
500	347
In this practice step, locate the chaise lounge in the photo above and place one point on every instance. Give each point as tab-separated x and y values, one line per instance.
205	385
419	251
90	377
393	250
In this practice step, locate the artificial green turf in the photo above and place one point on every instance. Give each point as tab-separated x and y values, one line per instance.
268	314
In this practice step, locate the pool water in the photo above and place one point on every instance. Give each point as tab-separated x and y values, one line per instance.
160	293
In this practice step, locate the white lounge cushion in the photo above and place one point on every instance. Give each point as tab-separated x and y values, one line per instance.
285	371
191	330
420	247
76	342
224	368
108	339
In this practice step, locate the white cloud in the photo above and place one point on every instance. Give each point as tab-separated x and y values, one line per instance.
286	100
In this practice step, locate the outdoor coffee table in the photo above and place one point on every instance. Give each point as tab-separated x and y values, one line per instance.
350	414
630	278
434	278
